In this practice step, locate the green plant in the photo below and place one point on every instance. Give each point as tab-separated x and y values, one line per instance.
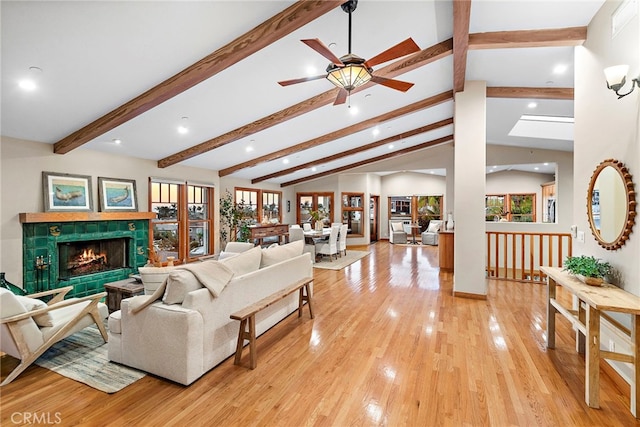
588	266
318	214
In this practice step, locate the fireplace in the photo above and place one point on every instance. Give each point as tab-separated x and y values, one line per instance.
93	256
84	250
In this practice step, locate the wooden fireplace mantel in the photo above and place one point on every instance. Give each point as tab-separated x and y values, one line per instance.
34	217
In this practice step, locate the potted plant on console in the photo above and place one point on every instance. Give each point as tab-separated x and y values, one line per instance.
589	269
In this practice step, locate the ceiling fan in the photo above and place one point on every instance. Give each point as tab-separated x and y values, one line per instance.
350	71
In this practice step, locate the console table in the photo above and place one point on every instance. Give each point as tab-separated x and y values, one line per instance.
592	300
445	250
259	232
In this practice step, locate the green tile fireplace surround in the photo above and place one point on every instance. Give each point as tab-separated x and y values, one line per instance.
43	233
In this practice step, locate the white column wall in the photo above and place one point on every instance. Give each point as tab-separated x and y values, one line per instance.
469	189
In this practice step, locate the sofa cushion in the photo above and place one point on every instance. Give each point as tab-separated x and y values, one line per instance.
244	262
397	226
281	253
32	304
153	277
179	284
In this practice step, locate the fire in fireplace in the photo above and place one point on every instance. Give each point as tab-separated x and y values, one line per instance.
88	257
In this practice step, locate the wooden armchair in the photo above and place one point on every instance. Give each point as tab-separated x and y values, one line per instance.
28	326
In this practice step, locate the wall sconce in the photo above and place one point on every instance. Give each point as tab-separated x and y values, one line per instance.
616	78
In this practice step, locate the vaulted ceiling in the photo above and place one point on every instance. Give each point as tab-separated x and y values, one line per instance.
136	71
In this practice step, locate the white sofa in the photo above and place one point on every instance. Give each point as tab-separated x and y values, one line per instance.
182	341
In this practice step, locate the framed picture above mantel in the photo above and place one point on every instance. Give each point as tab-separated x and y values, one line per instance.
117	195
66	192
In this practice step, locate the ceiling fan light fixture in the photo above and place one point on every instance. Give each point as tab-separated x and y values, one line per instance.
350	76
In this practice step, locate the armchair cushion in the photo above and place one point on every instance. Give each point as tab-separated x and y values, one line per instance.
397	226
10	306
31	304
434	227
153	277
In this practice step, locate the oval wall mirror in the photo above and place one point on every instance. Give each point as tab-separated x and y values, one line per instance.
611	204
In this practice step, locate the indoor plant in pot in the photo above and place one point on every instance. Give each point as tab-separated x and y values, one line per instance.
589	269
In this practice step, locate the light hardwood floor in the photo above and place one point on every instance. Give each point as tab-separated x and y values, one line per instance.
389	345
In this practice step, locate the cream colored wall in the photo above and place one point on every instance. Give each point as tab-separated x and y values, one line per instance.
607	127
503	155
22	163
510	182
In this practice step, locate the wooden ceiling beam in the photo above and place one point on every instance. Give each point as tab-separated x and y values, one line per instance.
372	160
531	92
340	133
273	29
461	19
327	159
407	64
573	36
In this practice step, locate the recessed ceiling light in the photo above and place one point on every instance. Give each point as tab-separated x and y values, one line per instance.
390	146
313	169
432	172
532	104
560	69
353	110
333	45
182	128
546	164
536	168
249	148
311	70
27	84
117	141
285	161
375	132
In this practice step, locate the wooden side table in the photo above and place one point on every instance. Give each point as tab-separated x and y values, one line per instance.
117	291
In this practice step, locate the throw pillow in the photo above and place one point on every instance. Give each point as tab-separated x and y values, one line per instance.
434	227
281	253
179	284
32	304
152	277
397	226
244	262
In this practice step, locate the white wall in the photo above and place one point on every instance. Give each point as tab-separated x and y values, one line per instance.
607	127
22	163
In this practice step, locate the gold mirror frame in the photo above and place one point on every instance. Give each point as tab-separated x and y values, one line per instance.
630	214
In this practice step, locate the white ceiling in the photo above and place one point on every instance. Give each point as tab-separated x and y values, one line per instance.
97	55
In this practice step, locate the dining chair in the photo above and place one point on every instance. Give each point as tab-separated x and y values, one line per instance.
342	240
330	246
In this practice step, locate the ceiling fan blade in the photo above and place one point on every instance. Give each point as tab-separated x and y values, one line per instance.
393	84
342	97
301	80
323	50
401	49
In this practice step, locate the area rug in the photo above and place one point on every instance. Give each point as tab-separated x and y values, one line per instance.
83	357
342	262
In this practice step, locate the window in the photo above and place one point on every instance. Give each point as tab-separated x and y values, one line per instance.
267	210
510	207
353	213
183	228
308	202
400	206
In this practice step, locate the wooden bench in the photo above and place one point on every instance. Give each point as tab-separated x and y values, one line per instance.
247	316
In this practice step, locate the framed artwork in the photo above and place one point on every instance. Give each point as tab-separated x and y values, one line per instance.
117	195
67	193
